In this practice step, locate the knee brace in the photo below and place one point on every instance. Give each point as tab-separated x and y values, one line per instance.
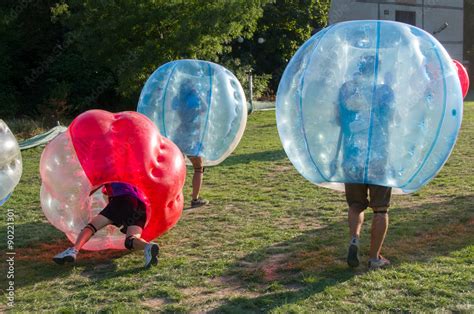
199	169
129	242
91	228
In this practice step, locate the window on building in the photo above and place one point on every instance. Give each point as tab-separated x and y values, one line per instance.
408	17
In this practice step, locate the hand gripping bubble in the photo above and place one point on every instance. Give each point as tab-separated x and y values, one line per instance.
374	102
10	162
463	77
199	105
100	147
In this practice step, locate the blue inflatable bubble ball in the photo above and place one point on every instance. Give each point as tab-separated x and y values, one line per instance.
374	102
199	105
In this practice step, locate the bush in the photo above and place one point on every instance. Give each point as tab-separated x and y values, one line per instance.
8	105
260	81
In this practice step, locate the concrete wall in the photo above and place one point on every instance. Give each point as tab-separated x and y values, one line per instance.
430	15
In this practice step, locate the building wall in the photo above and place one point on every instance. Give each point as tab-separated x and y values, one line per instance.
430	16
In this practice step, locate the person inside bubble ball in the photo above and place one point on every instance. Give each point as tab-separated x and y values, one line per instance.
360	101
189	107
126	208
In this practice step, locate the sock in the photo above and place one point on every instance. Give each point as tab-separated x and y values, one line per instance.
354	241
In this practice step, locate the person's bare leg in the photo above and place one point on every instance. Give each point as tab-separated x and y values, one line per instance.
356	219
134	241
69	255
197	183
98	222
378	231
197	176
136	233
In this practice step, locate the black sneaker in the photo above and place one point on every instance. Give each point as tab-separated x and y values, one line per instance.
199	202
353	256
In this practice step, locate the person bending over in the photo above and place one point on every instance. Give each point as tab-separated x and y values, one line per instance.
125	209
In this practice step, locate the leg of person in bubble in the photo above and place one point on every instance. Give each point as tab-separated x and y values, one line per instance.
111	215
197	163
356	195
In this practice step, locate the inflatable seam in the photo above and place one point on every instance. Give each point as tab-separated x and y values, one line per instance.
164	99
208	111
438	131
374	89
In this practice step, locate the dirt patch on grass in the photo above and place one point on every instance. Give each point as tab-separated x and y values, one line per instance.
216	292
277	170
302	223
99	271
272	265
275	267
155	303
316	260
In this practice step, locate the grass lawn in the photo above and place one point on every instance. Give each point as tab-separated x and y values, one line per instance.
269	242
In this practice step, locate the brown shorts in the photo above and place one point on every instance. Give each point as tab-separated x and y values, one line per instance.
356	196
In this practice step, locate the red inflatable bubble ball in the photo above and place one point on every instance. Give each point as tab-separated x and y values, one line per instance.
463	77
101	147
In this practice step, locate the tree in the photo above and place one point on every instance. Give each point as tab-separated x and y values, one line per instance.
125	41
284	26
28	41
61	57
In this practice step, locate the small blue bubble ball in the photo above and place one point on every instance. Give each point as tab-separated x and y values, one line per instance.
199	105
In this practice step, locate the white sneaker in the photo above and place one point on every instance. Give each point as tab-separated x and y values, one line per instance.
69	255
151	254
377	263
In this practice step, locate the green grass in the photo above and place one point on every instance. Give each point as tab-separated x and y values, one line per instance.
269	241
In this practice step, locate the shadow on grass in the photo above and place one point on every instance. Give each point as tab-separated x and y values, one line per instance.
270	155
32	233
37	243
99	269
285	272
308	264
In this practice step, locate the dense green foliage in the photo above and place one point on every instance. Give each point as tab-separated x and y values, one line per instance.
64	57
284	27
31	46
59	58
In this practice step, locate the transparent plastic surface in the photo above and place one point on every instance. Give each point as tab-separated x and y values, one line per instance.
10	162
199	105
101	147
373	102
